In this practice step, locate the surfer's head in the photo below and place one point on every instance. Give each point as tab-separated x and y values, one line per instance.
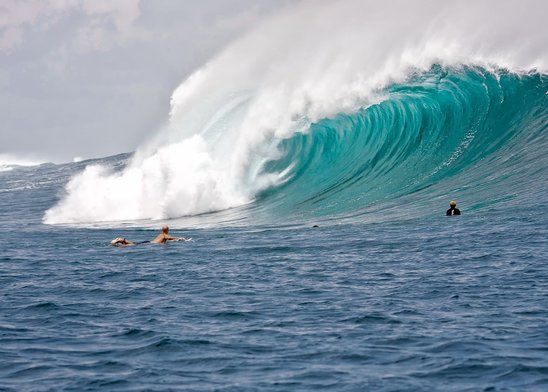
165	229
453	203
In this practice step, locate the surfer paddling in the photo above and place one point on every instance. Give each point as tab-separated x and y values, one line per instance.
161	238
453	210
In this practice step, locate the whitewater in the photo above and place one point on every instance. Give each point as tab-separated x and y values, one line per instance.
312	162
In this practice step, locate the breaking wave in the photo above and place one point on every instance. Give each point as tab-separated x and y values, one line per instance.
339	109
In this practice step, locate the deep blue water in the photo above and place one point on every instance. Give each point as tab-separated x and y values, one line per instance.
387	294
441	303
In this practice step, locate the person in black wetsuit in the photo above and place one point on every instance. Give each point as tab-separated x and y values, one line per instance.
453	210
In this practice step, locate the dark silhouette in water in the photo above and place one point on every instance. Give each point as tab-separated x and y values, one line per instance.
453	210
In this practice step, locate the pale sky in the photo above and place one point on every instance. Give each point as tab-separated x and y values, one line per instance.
92	78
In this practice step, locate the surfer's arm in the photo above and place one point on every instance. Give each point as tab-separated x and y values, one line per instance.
175	238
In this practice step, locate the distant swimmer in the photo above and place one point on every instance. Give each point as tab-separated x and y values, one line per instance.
453	210
161	238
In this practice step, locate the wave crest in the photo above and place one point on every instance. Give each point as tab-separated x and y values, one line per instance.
222	146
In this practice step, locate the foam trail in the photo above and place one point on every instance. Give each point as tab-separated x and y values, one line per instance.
310	62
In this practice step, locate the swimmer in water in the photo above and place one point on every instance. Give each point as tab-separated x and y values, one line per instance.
453	210
161	238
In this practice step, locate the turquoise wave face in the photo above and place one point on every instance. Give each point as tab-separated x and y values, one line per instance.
470	134
464	133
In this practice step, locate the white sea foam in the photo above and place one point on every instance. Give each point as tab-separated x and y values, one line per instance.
311	62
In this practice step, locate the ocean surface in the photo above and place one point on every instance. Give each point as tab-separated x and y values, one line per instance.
386	294
311	162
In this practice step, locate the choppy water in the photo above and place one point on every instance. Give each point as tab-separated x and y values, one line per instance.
422	304
387	294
